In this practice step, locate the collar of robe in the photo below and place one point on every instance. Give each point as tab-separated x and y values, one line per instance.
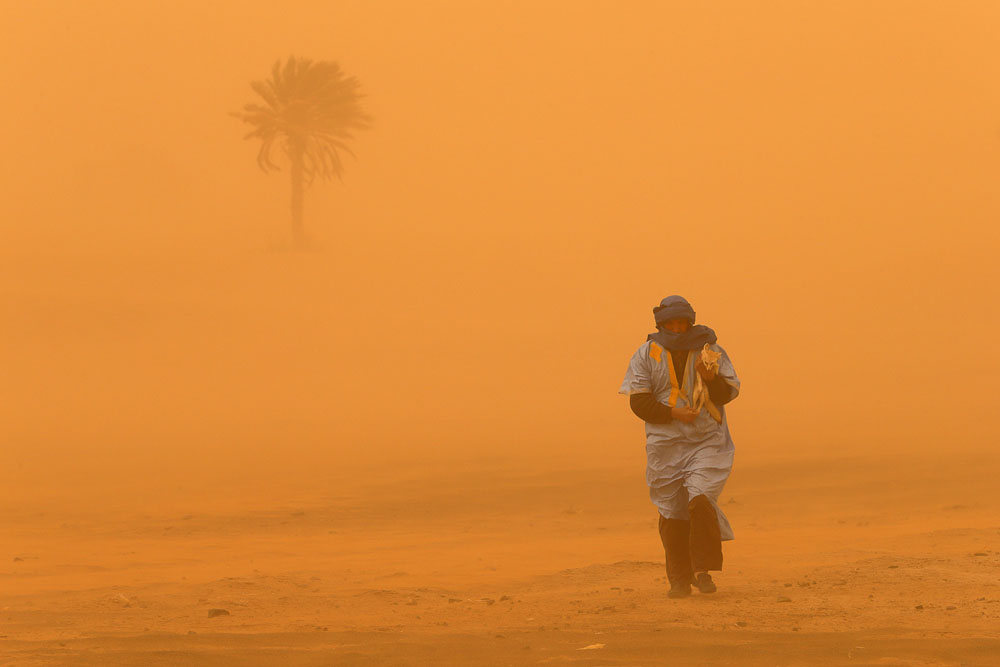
692	339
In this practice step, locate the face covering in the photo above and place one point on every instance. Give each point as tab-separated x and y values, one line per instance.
692	339
677	308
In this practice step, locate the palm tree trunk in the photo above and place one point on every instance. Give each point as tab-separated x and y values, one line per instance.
298	191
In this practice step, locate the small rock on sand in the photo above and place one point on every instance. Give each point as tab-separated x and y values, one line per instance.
783	598
212	613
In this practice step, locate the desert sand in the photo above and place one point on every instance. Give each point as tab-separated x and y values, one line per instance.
499	564
401	443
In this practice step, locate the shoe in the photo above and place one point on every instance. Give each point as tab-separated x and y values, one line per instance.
704	583
679	590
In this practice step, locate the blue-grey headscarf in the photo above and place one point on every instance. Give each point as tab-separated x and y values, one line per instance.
677	308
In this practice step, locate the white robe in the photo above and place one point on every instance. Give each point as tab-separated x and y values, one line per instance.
682	460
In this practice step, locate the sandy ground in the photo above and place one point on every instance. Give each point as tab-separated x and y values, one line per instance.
495	564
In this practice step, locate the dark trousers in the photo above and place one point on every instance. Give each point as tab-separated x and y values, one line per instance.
692	546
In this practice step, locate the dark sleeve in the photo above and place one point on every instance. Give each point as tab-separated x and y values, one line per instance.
648	409
719	391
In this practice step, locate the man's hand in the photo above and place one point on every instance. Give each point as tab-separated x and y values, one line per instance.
705	374
686	415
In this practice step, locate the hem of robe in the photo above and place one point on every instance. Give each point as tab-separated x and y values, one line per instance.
636	390
724	528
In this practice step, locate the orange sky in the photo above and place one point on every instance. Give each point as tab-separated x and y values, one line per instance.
819	179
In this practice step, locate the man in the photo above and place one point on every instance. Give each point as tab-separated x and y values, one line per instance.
689	453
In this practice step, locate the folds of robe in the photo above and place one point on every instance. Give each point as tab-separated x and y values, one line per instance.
682	460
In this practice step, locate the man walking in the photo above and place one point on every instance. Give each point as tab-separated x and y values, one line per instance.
689	451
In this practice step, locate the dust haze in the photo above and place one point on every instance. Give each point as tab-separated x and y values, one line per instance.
820	181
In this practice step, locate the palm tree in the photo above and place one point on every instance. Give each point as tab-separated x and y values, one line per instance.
309	111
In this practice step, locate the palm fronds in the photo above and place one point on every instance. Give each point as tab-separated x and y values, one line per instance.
310	110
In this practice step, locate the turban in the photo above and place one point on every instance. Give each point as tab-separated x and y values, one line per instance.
673	308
